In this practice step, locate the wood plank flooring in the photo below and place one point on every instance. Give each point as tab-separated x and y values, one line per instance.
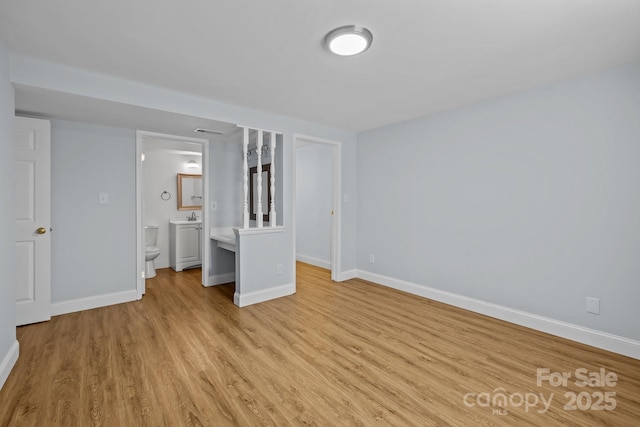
349	353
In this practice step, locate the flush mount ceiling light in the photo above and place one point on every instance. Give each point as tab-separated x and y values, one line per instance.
348	40
192	164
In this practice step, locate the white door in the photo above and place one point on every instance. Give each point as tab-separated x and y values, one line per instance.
33	220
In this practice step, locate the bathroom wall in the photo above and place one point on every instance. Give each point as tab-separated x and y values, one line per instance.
8	343
93	245
314	203
159	171
530	201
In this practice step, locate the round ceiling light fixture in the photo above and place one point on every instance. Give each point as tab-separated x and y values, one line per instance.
348	40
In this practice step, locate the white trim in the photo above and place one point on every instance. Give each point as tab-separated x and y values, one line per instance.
336	232
314	261
336	252
148	134
263	295
8	362
347	275
256	230
603	340
255	128
221	279
205	242
140	262
80	304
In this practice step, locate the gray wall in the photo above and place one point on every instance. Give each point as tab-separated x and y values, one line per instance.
225	189
530	201
93	245
225	181
314	201
37	73
7	239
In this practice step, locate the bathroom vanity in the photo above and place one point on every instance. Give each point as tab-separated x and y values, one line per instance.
185	244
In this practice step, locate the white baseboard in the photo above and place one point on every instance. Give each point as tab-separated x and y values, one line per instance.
221	279
347	275
263	295
8	362
603	340
88	303
314	261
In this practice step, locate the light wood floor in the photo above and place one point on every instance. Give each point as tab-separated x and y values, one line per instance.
352	353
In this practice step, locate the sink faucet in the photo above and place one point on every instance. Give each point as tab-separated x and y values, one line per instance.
192	217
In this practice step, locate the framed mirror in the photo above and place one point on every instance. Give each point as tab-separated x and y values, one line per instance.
189	192
253	192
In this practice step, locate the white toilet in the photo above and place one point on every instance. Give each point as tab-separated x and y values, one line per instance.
151	251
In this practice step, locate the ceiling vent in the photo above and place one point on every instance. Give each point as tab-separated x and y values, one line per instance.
214	132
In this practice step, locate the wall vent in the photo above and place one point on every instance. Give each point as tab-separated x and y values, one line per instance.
215	132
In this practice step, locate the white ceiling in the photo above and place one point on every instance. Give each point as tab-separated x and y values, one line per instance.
427	55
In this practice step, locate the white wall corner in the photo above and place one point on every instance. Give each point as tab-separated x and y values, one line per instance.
8	362
220	279
243	300
602	340
314	261
89	303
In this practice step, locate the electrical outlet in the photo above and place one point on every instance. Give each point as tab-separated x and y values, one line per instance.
279	269
593	305
345	198
372	259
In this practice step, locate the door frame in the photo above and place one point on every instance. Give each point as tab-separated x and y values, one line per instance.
336	232
204	248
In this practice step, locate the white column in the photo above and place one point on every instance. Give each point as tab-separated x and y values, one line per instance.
259	213
245	178
272	202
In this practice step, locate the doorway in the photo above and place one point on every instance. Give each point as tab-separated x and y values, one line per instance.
317	191
177	148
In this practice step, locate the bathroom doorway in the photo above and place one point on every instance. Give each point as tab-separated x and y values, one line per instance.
161	160
317	202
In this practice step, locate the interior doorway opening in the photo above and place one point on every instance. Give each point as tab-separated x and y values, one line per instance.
317	207
144	140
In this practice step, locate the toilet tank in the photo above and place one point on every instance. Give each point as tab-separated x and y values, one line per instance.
150	235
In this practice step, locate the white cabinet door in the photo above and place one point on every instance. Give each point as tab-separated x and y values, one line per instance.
186	246
32	219
188	243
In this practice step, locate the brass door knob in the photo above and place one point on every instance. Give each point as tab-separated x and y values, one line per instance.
41	230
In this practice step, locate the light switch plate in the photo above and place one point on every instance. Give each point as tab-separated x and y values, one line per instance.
103	198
